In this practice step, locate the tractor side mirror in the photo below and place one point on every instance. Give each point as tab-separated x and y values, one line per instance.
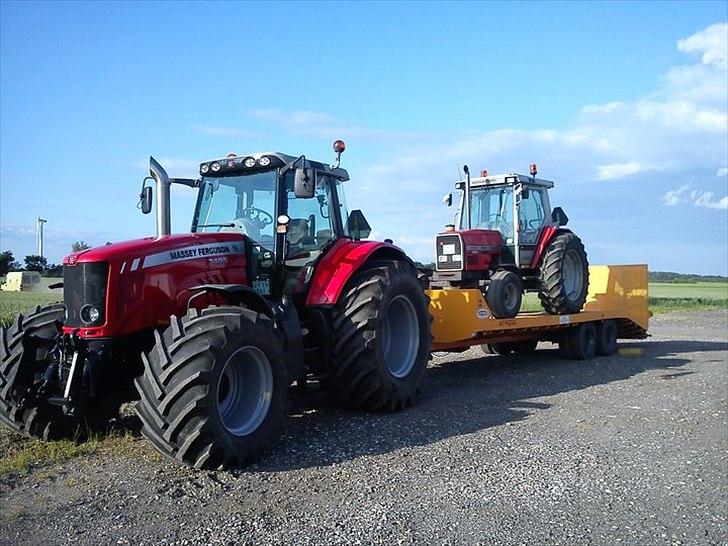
559	217
357	226
304	183
447	199
145	200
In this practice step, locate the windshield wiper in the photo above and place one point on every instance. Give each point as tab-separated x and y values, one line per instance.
216	225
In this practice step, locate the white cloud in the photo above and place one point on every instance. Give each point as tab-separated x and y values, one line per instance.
697	198
711	43
723	171
675	197
620	170
706	199
320	125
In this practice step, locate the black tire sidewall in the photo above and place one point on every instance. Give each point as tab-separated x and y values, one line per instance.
405	284
270	427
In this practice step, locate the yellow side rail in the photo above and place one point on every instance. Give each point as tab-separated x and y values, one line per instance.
461	317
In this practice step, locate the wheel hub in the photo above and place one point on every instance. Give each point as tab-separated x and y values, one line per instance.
400	336
244	391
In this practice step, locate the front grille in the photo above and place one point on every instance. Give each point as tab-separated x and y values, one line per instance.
449	253
84	285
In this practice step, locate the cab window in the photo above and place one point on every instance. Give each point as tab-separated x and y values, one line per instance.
531	216
312	223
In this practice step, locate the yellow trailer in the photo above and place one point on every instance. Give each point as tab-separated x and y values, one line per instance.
616	307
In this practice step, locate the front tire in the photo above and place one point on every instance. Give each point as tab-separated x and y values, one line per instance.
24	346
381	337
214	388
504	294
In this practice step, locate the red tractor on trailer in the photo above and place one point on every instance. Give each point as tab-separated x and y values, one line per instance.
509	241
207	330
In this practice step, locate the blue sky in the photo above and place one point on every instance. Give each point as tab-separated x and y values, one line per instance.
622	104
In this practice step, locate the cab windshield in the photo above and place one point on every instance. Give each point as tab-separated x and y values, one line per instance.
241	204
492	208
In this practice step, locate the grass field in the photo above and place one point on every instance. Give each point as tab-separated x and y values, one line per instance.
664	297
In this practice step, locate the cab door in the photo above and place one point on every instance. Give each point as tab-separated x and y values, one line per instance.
532	219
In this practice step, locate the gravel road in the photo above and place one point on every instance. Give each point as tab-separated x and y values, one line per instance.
497	450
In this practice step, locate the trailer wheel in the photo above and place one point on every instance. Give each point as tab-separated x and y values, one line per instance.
24	346
214	388
504	294
510	347
564	275
380	337
579	342
606	338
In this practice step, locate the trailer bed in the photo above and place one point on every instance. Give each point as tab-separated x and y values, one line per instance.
461	317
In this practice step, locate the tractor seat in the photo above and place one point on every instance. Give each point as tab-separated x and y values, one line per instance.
298	232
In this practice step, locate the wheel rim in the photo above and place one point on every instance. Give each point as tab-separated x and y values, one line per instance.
510	294
245	391
573	275
400	336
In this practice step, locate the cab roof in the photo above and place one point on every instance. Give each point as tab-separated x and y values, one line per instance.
508	179
235	165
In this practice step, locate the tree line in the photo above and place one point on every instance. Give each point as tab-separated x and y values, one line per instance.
33	262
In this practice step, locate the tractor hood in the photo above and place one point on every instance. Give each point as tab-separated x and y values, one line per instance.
151	251
136	285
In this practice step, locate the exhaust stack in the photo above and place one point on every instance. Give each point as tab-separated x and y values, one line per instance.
467	197
164	223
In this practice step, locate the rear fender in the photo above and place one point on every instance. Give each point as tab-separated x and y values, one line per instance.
337	266
545	237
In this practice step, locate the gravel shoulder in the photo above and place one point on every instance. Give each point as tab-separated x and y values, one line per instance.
497	450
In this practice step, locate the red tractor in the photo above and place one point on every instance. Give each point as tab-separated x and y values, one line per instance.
510	241
209	329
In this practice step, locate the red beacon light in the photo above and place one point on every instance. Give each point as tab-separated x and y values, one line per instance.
232	155
484	173
339	146
533	169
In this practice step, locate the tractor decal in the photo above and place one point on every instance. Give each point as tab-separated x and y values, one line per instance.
192	253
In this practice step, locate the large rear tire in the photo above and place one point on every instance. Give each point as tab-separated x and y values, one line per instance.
214	388
564	275
381	337
24	347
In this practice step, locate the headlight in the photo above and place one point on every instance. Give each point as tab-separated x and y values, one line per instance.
90	314
249	162
264	161
204	169
215	167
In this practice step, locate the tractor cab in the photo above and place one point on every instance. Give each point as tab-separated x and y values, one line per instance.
515	205
288	209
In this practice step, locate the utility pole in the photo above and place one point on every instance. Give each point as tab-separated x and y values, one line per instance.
39	234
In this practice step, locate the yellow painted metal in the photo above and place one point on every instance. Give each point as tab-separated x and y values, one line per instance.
461	317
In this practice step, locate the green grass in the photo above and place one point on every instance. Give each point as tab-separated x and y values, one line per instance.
12	303
19	454
666	297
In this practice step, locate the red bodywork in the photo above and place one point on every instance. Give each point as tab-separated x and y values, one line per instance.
338	265
150	279
479	247
544	238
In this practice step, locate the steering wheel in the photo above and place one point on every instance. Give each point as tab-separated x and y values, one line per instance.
263	217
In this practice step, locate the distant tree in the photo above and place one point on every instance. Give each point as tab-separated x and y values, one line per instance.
78	246
53	270
8	263
35	263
